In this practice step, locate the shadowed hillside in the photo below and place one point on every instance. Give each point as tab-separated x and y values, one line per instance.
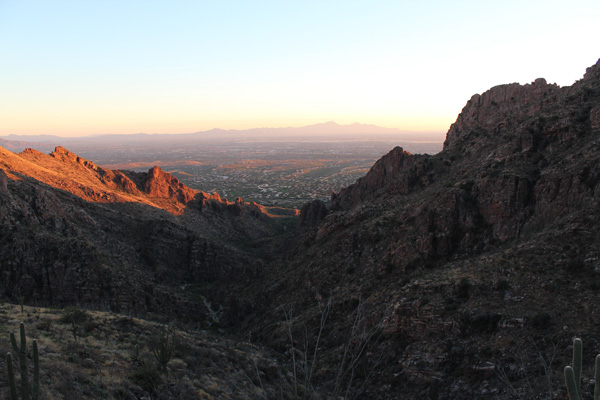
456	271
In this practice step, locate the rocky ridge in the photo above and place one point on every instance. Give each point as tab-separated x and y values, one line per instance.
467	261
76	233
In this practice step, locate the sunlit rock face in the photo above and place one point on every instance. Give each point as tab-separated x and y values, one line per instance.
160	184
77	233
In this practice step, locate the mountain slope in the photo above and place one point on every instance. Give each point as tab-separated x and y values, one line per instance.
456	265
76	233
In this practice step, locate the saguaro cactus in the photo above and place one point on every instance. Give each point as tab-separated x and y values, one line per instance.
22	351
573	373
11	377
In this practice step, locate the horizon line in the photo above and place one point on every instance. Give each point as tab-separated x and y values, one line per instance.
330	122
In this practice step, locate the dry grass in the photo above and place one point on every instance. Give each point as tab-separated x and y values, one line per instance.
109	358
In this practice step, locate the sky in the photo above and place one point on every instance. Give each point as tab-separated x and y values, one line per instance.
82	67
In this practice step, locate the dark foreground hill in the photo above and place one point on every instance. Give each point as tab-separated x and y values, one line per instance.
459	275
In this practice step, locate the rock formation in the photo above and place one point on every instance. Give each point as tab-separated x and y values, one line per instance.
76	233
458	261
312	213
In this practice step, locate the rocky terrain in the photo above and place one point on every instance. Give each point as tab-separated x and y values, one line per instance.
461	271
460	275
76	233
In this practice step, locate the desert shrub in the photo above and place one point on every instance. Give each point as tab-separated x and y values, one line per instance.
45	325
76	352
73	315
451	305
163	346
90	325
148	377
127	323
70	382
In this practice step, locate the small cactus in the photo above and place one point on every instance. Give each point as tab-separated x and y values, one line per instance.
22	351
573	373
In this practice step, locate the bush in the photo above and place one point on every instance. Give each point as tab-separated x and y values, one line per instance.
89	326
45	324
148	377
162	347
73	315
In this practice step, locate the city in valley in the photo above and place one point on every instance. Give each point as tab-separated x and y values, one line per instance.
282	174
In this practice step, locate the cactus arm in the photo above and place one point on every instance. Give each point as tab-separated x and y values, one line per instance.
577	357
23	338
13	341
23	364
571	385
36	372
597	378
22	351
11	377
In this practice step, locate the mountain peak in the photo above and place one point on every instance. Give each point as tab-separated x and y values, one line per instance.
593	73
159	183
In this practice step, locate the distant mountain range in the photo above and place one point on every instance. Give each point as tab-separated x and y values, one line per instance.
316	132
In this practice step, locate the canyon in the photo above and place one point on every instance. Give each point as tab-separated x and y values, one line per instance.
442	276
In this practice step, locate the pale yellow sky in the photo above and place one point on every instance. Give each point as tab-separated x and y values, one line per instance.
73	68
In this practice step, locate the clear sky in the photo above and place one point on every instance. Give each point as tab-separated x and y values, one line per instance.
81	67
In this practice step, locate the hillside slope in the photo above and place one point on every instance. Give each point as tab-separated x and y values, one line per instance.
449	276
76	233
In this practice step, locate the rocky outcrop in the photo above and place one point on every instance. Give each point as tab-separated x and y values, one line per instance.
519	113
398	172
64	155
160	184
312	213
3	181
503	108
